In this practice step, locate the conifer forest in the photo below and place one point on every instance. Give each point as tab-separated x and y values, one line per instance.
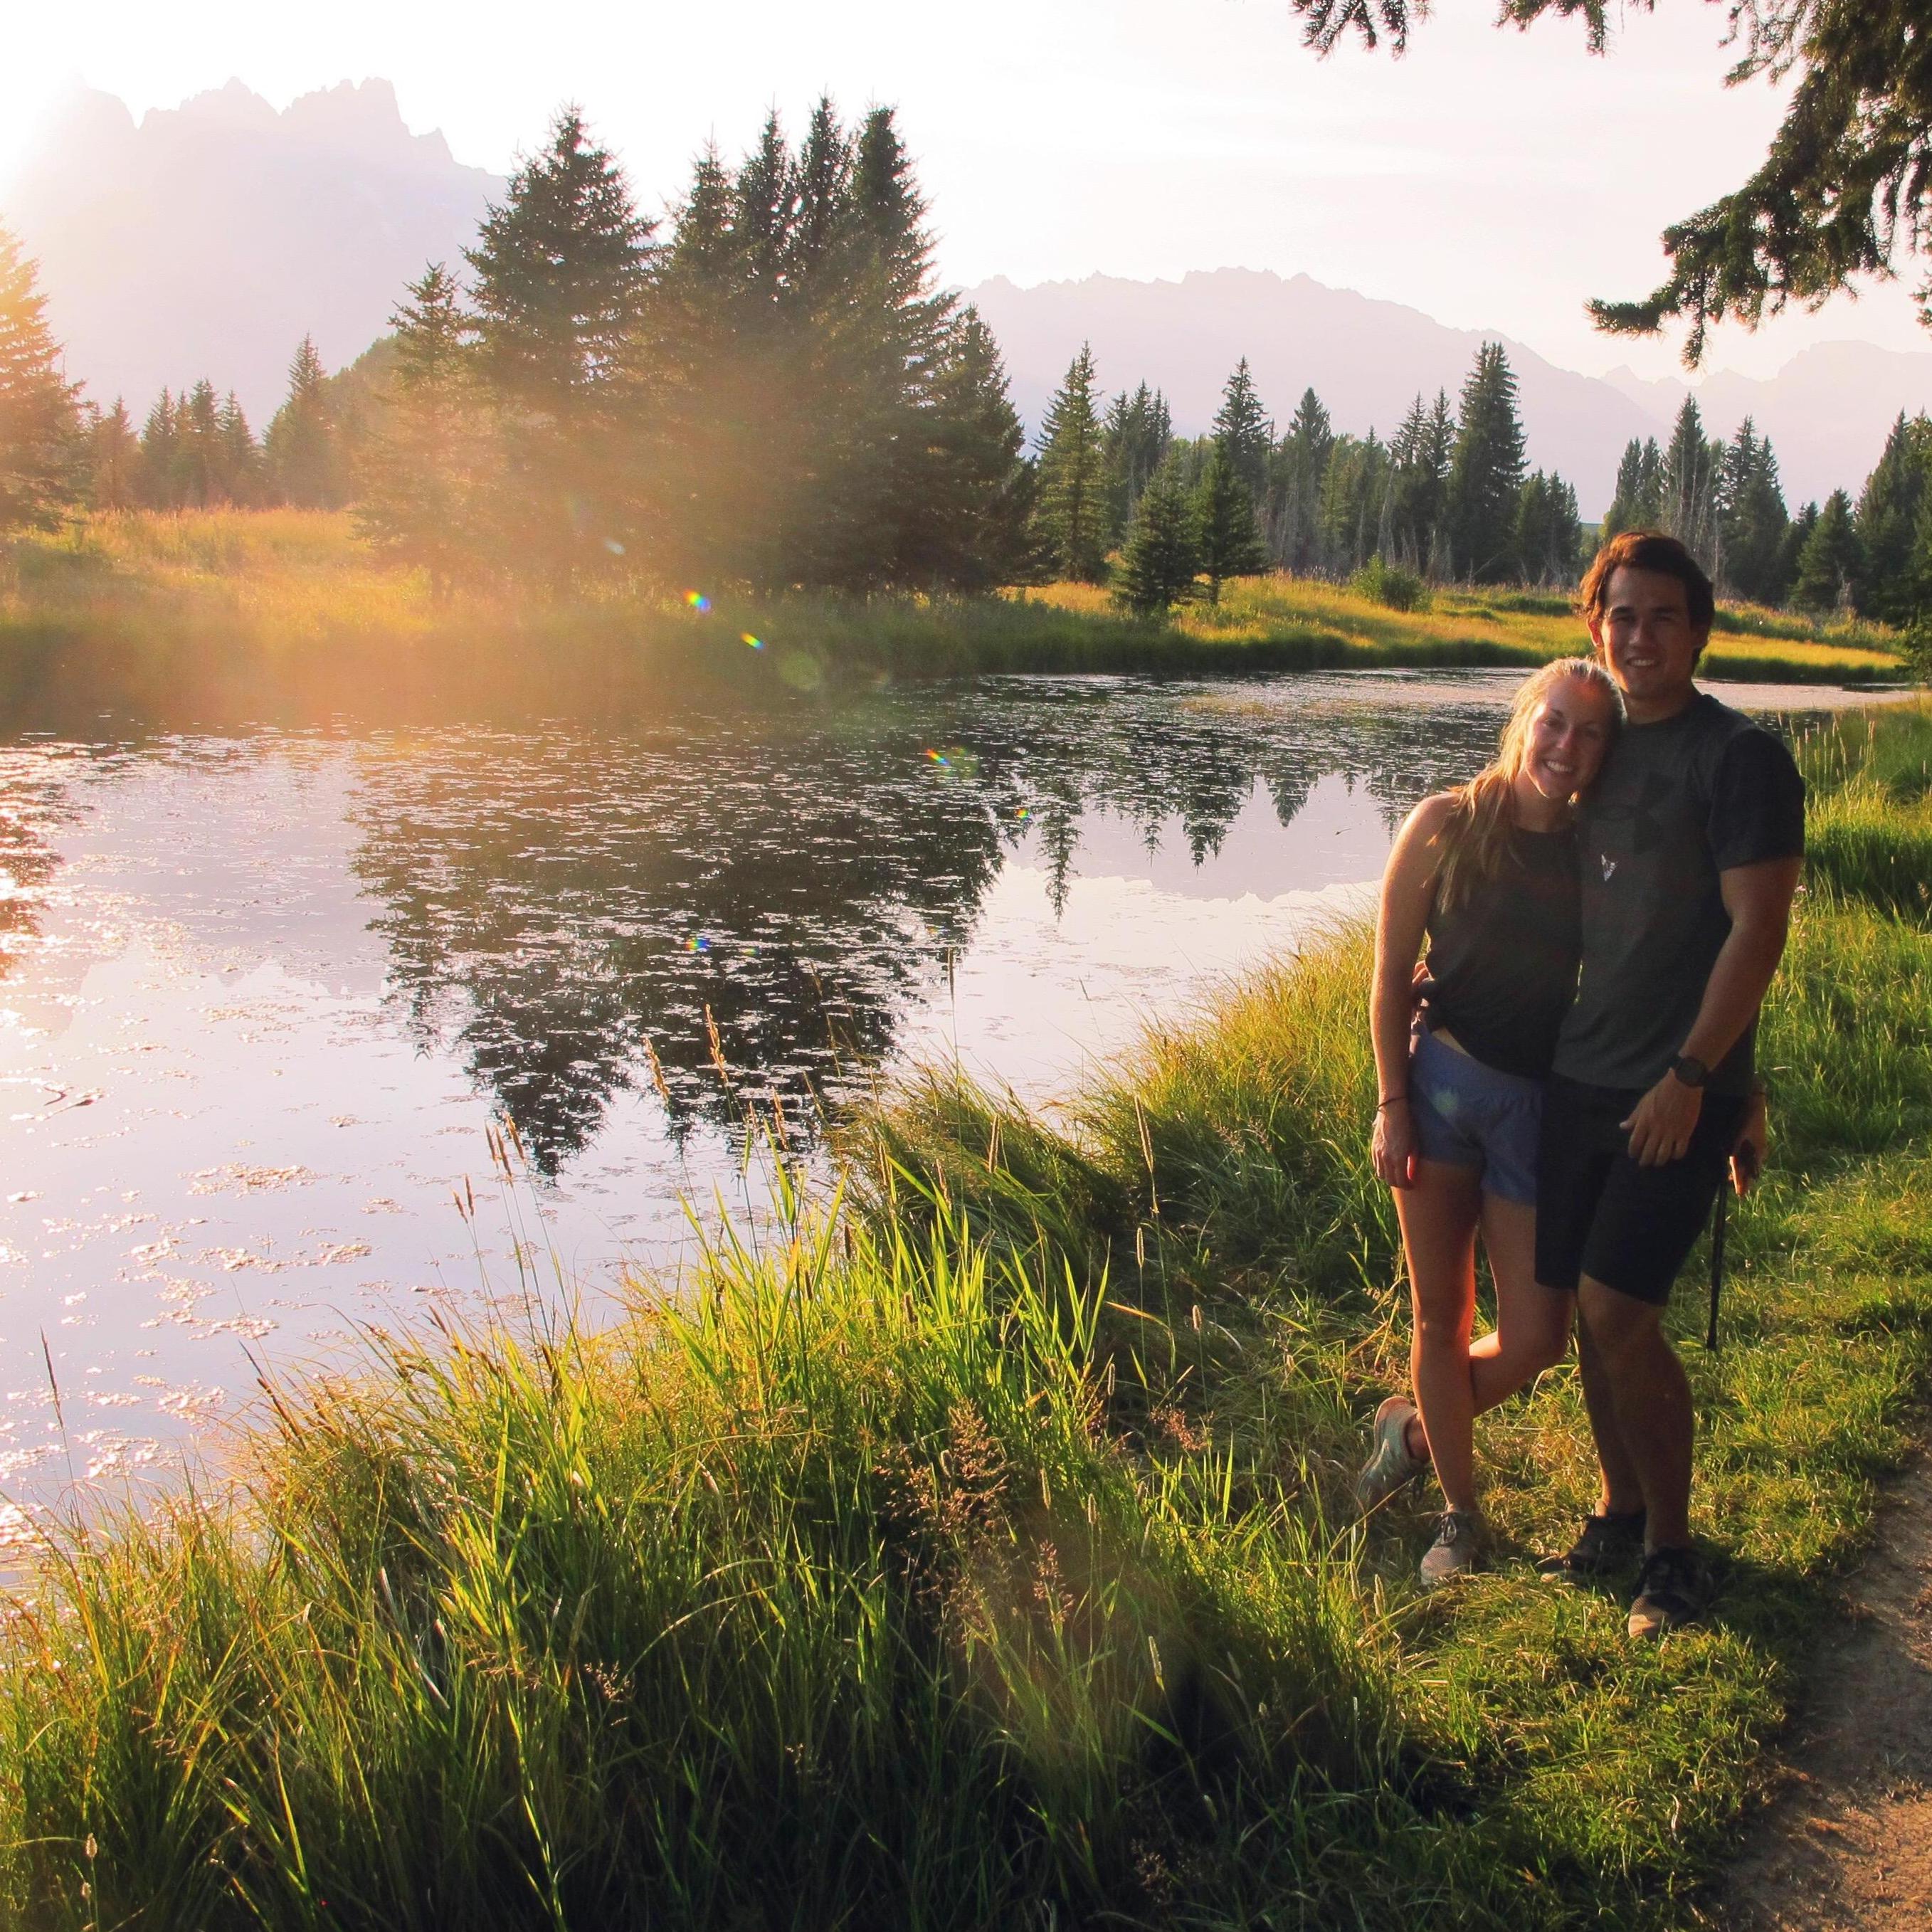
769	388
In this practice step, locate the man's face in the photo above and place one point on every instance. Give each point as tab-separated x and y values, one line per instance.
1645	637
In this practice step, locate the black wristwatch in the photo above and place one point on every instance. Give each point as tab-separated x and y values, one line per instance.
1690	1070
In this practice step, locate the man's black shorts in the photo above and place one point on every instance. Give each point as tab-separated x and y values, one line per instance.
1599	1213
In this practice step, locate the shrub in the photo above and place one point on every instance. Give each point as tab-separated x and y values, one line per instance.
1393	584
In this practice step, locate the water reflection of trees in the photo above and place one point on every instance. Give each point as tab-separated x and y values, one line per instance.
562	905
29	805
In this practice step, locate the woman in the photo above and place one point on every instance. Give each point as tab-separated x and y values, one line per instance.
1487	874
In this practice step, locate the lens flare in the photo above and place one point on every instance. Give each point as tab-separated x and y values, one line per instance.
698	942
697	601
757	643
1024	811
614	546
940	759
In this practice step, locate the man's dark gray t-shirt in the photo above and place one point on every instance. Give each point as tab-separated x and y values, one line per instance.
1679	803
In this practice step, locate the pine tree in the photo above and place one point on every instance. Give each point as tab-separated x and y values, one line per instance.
712	402
1638	502
1797	534
1073	500
1549	534
1691	472
1242	430
1436	461
1299	468
1162	558
157	485
1354	488
198	456
1890	510
237	462
762	205
1754	517
562	272
874	440
424	497
978	497
816	210
854	426
1134	445
1829	566
1419	455
1485	476
300	446
1229	543
42	451
114	456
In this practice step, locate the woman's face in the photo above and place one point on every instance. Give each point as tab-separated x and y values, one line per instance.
1569	732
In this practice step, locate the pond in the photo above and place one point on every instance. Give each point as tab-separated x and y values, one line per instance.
264	993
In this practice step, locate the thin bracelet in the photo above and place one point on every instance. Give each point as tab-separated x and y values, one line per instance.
1393	1100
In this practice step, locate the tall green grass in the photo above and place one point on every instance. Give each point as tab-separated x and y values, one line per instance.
973	1551
819	1598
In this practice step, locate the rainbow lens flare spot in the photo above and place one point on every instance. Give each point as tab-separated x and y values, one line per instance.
697	601
757	643
698	942
940	759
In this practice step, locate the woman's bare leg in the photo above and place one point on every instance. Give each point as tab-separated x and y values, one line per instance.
1532	1329
1439	1213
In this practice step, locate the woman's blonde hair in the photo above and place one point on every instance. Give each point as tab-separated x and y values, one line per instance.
1475	834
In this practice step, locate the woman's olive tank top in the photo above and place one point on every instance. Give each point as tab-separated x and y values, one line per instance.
1502	966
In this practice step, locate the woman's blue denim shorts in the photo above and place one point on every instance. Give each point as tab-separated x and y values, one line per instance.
1467	1115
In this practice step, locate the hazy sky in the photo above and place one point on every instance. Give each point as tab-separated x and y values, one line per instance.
1492	179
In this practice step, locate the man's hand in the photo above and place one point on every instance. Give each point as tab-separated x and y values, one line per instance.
1393	1150
1747	1150
1661	1125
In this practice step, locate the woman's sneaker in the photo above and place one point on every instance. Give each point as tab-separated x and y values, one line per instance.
1670	1591
1390	1464
1607	1544
1457	1549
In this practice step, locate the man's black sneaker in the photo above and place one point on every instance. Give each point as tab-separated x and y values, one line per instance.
1608	1544
1670	1591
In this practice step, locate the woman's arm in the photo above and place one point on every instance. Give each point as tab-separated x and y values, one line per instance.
1401	915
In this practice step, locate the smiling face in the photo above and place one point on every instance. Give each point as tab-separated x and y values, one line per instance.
1648	642
1569	732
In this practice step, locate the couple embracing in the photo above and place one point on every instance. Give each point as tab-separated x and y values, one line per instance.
1603	909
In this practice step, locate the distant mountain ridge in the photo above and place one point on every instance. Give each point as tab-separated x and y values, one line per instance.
209	239
1827	411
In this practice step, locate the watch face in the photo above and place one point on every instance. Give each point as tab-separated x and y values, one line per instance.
1690	1070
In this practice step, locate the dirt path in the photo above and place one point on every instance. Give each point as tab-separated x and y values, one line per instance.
1847	1847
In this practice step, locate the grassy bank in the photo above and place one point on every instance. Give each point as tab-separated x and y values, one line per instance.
1336	625
980	1554
260	614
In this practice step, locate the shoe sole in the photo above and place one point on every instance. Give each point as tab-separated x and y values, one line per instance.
1370	1491
1557	1570
1647	1629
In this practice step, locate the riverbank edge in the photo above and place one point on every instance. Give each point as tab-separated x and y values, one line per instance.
281	608
1171	1315
600	659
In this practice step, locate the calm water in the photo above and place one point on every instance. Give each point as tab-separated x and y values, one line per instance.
262	994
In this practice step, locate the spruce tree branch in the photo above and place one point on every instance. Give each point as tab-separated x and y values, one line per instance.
1844	190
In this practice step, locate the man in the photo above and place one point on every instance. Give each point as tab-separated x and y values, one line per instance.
1691	845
